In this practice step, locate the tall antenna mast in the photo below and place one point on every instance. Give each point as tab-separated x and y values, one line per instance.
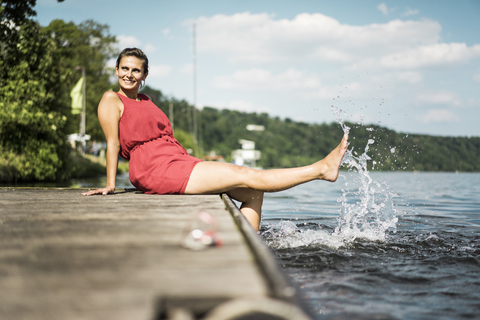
195	140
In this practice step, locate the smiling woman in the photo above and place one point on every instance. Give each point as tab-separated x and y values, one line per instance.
141	132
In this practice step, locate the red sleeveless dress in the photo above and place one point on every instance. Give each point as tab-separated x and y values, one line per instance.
158	163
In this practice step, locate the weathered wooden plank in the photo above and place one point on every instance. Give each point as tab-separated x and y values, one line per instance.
65	256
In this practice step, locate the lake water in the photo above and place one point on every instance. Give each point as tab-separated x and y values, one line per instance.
397	245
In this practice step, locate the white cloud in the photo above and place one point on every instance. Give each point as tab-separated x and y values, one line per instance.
133	42
239	105
302	84
259	38
159	70
472	102
187	69
441	97
431	55
410	77
411	12
265	80
384	9
128	41
332	54
166	31
438	116
149	48
476	77
331	93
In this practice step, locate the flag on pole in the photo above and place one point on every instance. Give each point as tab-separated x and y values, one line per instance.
77	98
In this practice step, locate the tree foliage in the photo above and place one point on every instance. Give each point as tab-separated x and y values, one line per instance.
37	73
182	115
87	45
14	13
32	140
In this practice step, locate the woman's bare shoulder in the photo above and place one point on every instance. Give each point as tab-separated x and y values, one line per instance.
111	96
110	103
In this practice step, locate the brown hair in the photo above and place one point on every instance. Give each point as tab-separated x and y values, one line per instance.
133	52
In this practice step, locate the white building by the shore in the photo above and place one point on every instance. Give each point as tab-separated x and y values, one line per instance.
247	156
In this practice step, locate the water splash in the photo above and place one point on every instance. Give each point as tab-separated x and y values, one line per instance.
287	234
367	212
338	115
367	209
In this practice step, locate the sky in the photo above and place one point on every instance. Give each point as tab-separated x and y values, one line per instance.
411	66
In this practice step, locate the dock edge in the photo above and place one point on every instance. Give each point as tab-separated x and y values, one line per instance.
278	286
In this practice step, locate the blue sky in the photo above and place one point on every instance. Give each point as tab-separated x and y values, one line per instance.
413	66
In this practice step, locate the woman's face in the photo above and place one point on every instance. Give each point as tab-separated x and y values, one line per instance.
130	73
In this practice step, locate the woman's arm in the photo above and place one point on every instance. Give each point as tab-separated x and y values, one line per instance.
109	112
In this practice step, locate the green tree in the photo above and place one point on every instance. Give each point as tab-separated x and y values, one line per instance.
14	13
181	120
37	73
32	141
87	45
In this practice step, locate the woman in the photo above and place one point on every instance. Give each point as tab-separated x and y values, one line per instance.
139	131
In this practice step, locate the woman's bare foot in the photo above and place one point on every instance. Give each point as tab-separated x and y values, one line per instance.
331	163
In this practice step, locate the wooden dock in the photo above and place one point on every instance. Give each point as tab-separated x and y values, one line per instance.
66	256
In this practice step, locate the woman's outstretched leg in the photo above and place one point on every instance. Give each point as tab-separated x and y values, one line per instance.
217	177
247	185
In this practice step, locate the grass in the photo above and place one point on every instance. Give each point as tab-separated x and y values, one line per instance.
76	166
88	166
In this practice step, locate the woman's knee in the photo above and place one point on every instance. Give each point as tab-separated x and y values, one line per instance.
246	195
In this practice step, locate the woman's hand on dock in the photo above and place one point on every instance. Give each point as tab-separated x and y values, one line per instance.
102	191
